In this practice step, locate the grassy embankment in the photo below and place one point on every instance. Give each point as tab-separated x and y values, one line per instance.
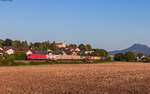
28	63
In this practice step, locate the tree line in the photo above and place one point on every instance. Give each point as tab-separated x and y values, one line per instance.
130	56
18	45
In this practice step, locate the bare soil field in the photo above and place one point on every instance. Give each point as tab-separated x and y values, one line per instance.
109	78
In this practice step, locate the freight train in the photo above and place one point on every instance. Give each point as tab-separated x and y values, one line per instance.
62	57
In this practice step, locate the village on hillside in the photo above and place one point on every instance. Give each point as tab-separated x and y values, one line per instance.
47	50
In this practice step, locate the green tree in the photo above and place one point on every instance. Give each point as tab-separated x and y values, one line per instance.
7	42
25	44
19	56
72	46
30	45
53	46
88	47
7	60
37	45
1	59
46	44
119	57
100	52
41	46
130	56
1	43
17	44
82	47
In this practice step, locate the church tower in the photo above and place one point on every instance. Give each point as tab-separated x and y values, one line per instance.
64	44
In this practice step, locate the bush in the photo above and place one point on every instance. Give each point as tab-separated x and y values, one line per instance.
19	64
119	57
20	56
146	59
1	59
130	56
7	60
86	61
38	63
108	58
52	62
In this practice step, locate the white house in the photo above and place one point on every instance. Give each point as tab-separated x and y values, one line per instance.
29	52
88	52
1	51
10	52
61	45
77	50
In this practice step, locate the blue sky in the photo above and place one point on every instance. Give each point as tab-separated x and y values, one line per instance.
108	24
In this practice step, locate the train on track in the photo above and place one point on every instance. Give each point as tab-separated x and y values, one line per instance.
62	57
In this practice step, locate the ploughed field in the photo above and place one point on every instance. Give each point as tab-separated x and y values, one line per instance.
108	78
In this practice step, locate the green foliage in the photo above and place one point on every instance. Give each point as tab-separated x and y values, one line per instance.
39	45
85	61
119	57
25	44
7	60
100	52
1	59
72	46
130	56
140	55
39	63
1	43
19	64
82	47
7	42
88	47
108	58
20	56
17	45
36	45
53	46
146	59
20	45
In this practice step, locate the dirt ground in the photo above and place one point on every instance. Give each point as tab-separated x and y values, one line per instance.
109	78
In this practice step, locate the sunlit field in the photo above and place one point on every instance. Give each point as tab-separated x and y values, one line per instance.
106	78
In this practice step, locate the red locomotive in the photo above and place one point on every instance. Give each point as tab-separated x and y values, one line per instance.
37	57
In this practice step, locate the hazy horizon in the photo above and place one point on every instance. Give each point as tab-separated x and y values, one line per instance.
107	24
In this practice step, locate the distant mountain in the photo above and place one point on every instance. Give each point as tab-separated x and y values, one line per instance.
136	48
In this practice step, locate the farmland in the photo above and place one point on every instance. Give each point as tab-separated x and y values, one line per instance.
105	78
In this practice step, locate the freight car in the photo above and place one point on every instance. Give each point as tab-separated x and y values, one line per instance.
70	57
63	57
